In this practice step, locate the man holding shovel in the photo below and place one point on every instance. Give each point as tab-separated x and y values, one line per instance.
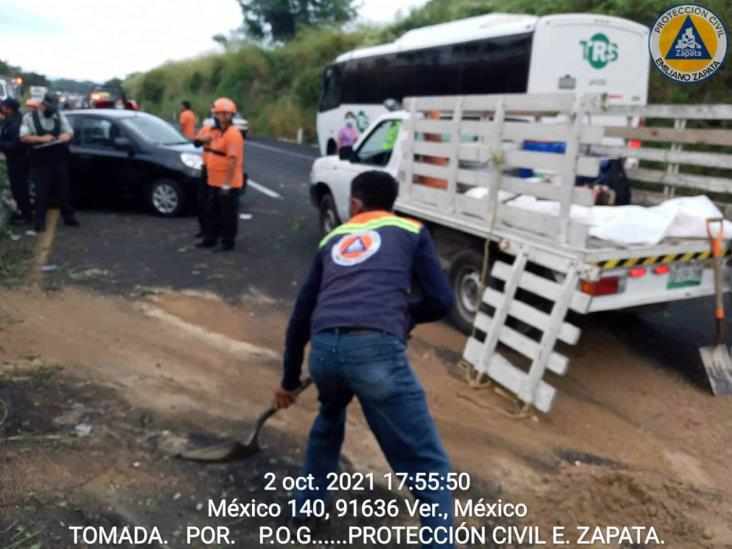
357	311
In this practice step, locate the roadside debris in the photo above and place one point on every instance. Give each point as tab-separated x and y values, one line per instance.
83	430
87	274
50	268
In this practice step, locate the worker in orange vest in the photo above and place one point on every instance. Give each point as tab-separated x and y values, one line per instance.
187	120
203	139
225	167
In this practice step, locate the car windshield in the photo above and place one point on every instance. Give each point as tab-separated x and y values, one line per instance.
153	130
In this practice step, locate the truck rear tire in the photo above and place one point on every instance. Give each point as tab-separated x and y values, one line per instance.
464	274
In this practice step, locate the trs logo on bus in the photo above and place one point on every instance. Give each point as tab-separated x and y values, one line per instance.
599	51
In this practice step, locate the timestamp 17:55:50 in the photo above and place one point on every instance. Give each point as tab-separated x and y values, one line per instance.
356	481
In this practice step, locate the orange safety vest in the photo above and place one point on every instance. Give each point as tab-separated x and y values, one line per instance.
223	146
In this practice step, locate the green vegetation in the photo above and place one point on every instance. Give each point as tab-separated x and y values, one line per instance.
281	19
277	86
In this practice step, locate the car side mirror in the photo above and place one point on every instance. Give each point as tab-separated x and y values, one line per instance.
345	153
122	143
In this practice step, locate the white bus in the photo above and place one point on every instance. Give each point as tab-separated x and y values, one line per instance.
495	53
38	92
8	88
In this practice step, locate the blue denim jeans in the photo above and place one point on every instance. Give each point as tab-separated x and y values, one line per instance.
374	367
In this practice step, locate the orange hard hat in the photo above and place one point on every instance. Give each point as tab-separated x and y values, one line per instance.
32	103
224	104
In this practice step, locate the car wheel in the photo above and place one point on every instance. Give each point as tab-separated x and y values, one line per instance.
166	197
329	219
464	274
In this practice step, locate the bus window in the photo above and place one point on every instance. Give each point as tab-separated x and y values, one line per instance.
436	72
332	84
496	65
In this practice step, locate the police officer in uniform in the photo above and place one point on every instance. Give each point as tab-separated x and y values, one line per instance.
48	133
356	309
16	157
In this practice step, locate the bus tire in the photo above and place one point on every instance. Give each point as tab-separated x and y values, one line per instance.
464	274
331	148
328	219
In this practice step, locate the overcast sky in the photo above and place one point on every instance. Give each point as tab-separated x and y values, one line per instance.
89	39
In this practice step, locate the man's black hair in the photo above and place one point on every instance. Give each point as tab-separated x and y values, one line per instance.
11	103
186	104
377	190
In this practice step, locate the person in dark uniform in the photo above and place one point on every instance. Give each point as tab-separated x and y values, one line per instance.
48	132
357	311
16	157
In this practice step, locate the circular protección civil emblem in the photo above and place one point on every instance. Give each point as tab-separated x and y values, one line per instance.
353	249
688	43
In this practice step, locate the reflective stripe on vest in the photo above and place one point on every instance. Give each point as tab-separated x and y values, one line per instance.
386	221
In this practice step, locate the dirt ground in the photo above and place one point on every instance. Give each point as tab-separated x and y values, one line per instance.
626	443
100	387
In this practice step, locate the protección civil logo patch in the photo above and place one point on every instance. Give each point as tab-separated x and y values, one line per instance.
353	249
688	43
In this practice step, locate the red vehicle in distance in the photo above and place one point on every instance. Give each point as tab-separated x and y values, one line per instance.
110	97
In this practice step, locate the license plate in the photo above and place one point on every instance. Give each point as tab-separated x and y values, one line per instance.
683	275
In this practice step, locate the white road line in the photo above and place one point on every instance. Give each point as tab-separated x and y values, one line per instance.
264	190
283	151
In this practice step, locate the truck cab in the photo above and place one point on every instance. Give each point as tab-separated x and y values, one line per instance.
378	148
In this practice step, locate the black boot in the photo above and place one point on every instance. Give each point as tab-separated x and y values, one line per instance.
223	248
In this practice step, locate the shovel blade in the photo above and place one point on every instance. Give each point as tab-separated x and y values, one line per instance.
718	364
224	452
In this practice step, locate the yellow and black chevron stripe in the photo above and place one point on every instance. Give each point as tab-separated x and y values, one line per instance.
656	260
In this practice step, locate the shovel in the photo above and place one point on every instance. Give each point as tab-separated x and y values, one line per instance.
227	451
716	357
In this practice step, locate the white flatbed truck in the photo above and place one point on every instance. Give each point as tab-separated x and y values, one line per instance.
541	264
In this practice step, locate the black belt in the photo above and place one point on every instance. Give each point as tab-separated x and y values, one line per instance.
349	330
214	151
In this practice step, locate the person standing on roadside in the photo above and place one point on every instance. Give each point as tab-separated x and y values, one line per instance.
225	179
355	308
16	158
48	133
203	139
348	134
187	120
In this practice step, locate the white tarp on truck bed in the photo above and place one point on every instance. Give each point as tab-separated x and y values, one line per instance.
683	217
